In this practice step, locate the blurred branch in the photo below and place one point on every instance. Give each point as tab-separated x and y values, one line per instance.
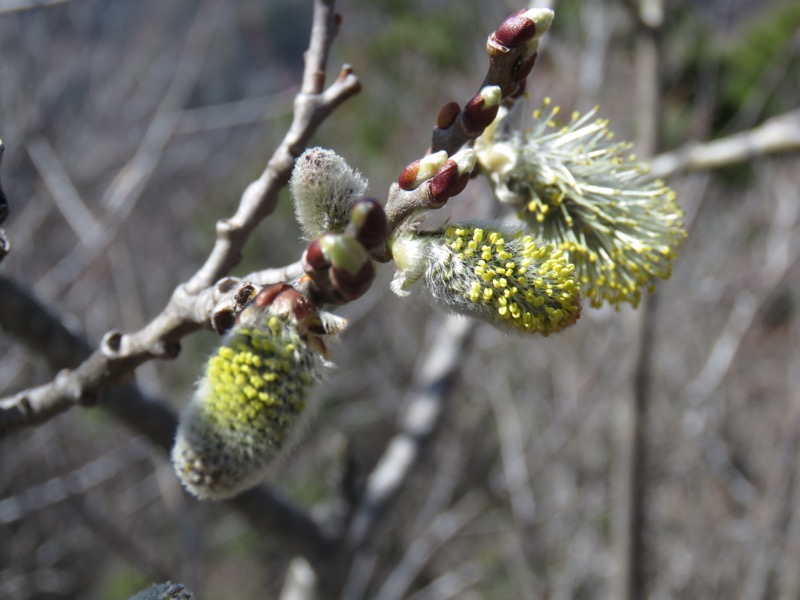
452	584
781	255
424	405
766	555
126	188
512	452
778	134
60	186
300	581
233	114
4	245
631	483
193	305
443	528
10	6
75	483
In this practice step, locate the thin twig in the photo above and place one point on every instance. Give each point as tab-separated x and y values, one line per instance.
443	528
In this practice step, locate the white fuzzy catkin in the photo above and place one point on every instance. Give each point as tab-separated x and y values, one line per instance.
324	188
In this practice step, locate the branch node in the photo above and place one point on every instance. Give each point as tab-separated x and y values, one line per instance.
111	344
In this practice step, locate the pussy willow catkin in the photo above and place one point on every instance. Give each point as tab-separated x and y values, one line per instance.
246	407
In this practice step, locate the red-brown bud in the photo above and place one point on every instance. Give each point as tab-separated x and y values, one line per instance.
447	115
523	68
480	111
515	30
421	170
368	223
408	177
443	180
313	258
350	287
268	294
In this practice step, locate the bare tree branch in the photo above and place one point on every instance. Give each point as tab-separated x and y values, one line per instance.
631	483
417	424
194	304
44	331
778	134
4	245
121	196
10	6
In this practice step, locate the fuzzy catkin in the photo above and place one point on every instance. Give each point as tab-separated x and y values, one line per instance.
324	188
246	407
500	276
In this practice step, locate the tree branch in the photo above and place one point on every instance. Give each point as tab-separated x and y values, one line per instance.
4	245
10	6
196	303
424	405
778	134
45	331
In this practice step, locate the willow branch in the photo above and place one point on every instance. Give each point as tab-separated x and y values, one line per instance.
196	304
44	331
775	135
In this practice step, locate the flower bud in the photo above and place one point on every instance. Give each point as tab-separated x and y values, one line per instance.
453	177
351	272
313	258
447	115
246	408
368	223
515	30
324	188
421	170
482	109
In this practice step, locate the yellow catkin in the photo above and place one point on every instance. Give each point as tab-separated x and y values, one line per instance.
245	408
504	278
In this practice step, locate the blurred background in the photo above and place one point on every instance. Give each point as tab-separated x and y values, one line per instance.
662	441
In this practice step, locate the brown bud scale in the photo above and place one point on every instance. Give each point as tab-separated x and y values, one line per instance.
368	220
350	286
313	258
515	30
447	115
444	179
477	116
522	68
408	176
